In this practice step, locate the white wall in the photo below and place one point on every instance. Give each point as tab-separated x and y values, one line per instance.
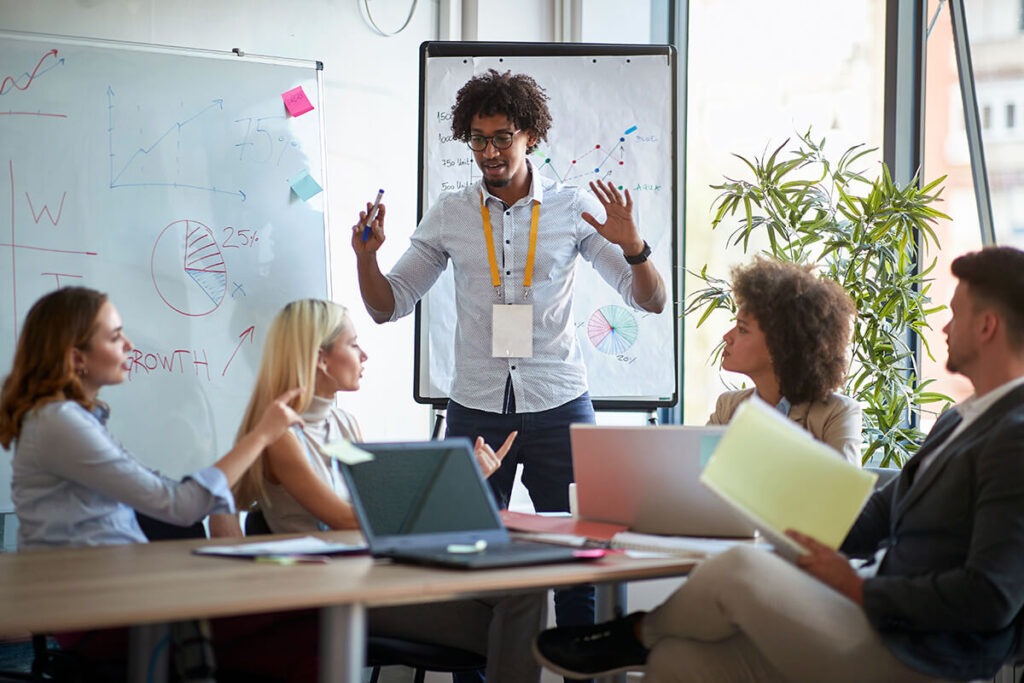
371	100
372	94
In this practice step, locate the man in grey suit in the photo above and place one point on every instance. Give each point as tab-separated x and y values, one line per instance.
942	591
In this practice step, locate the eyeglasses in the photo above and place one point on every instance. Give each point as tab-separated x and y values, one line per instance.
478	143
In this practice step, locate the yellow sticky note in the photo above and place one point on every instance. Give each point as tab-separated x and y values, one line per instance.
779	475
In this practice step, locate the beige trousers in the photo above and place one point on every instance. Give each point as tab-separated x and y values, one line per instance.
749	615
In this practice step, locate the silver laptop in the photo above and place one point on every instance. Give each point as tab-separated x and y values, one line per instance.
648	479
427	503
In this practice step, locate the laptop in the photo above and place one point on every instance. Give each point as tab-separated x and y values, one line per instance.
427	503
648	478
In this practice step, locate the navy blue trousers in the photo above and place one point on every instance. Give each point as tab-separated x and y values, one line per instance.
543	449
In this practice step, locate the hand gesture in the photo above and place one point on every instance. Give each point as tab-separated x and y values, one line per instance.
618	227
488	459
828	566
376	237
278	416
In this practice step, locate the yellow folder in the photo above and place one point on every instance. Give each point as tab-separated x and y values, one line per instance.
779	476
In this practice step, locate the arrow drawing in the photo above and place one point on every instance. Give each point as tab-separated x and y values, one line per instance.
250	332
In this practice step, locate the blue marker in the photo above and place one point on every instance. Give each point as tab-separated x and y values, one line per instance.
370	215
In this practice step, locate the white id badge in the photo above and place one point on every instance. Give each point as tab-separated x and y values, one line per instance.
512	330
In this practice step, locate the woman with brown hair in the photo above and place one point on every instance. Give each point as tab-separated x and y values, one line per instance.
791	338
72	482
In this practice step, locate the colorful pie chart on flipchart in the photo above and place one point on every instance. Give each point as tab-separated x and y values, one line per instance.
188	268
612	329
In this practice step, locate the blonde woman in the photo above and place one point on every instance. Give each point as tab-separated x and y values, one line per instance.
312	343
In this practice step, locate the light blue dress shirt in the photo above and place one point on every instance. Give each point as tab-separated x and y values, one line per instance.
74	484
453	230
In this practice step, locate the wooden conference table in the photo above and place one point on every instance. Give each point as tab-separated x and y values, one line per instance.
147	585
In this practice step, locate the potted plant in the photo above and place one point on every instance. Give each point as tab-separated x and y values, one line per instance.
864	233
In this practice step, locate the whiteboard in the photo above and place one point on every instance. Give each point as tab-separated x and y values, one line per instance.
614	110
160	176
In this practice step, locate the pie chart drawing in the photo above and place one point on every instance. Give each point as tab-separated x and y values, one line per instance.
188	268
612	329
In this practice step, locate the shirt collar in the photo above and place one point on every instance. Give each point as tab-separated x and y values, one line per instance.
536	193
101	411
784	406
974	406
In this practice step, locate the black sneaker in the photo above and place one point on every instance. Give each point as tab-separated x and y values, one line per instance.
581	652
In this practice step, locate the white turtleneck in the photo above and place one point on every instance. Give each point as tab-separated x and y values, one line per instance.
325	423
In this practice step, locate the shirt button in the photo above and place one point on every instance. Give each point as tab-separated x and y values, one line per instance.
513	367
508	213
508	272
508	241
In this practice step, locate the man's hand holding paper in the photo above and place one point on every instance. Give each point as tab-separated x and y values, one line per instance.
782	478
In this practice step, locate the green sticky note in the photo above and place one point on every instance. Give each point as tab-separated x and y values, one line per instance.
344	451
304	186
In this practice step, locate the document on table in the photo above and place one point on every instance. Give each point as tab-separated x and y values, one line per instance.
293	547
779	476
686	546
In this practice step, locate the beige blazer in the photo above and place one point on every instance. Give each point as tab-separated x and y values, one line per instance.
835	421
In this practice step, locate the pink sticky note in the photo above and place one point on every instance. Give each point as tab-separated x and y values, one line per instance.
296	102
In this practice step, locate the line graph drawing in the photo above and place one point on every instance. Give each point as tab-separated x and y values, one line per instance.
10	83
188	248
612	329
599	161
134	173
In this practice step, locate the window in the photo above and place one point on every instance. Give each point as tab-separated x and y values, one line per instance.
788	66
945	153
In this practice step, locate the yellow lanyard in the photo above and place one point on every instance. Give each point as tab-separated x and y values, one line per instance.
485	214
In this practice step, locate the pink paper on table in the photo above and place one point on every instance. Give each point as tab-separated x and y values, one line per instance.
296	102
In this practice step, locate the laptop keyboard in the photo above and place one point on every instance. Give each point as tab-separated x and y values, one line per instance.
509	554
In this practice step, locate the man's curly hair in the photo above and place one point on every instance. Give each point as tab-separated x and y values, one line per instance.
807	323
516	96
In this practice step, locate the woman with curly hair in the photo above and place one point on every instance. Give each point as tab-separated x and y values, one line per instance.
791	337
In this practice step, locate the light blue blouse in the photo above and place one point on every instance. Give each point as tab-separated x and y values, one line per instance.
74	484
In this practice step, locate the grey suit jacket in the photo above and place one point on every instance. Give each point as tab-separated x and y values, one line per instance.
835	421
949	590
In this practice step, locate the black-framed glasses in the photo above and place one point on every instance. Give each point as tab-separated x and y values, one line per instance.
478	143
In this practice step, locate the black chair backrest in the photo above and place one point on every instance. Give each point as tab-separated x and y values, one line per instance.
256	523
157	530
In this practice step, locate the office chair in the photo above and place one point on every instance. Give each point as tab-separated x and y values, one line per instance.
35	673
384	651
885	475
421	657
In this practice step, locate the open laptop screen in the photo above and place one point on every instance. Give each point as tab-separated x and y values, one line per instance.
412	489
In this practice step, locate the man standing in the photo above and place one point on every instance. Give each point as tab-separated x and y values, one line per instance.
942	596
513	240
